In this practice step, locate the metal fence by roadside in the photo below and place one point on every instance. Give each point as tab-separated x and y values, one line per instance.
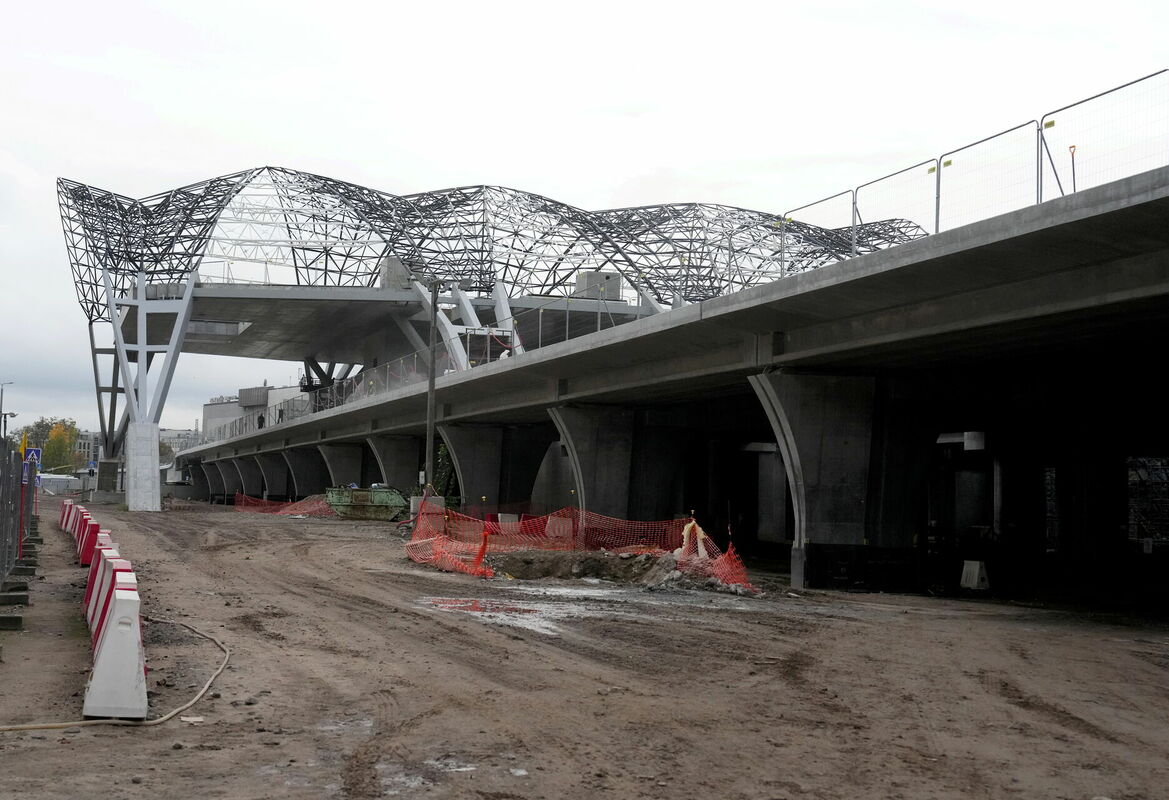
17	504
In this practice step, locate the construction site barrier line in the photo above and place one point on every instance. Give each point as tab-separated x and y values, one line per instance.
135	723
457	542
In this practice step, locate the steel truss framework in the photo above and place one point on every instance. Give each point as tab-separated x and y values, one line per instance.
281	226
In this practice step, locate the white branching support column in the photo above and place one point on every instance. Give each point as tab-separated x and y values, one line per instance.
447	330
504	318
171	315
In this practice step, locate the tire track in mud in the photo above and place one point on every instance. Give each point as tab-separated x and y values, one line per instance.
1011	692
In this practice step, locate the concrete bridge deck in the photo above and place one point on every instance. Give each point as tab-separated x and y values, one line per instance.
833	367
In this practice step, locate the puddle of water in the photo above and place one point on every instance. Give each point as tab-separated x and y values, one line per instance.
476	606
569	591
447	764
535	617
335	726
395	780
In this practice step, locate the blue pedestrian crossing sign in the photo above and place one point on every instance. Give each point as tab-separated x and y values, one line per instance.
91	465
33	454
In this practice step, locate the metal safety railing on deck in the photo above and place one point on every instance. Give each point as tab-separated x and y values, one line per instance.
1108	136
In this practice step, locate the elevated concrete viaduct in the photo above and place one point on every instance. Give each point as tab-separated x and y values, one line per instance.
973	394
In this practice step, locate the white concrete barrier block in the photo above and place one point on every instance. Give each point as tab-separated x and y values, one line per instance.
117	685
122	580
974	575
86	543
81	518
70	517
111	551
100	600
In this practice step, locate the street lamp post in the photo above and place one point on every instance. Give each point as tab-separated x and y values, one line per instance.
4	421
435	285
429	476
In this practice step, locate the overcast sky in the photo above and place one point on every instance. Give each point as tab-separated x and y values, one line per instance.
761	105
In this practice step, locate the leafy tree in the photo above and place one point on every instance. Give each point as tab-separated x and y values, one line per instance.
60	445
38	432
166	453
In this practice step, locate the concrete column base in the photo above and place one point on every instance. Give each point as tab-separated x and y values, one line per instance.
799	561
107	475
143	482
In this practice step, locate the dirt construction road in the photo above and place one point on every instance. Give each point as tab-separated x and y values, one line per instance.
357	674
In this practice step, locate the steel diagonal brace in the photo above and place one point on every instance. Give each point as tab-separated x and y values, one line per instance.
120	344
177	335
450	334
504	318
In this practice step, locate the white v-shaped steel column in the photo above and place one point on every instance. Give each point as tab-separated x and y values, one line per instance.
143	483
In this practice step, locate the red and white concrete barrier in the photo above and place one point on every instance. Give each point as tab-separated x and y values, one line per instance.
117	683
103	545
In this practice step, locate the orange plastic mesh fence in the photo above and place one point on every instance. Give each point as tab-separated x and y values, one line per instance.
311	506
458	543
701	556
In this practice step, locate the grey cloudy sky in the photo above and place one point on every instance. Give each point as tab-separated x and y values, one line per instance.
762	105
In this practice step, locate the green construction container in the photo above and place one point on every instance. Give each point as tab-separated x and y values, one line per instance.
379	502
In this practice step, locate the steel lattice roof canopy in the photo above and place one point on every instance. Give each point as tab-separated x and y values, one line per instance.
277	226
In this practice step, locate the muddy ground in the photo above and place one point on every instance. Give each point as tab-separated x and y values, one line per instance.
357	674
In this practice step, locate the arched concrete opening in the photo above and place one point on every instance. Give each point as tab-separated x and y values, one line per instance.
476	453
231	479
200	489
899	479
251	479
599	444
715	456
343	462
398	459
274	469
214	481
309	473
555	484
497	465
823	426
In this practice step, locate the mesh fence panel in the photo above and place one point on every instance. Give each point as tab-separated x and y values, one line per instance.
909	194
1114	135
832	212
990	177
311	506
